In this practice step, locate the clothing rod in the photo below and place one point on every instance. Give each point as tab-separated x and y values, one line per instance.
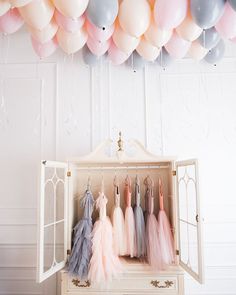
121	167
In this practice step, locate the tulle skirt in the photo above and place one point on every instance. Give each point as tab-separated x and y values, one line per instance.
130	232
166	238
140	232
104	264
153	243
118	222
82	249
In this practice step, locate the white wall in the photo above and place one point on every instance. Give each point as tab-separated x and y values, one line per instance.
60	108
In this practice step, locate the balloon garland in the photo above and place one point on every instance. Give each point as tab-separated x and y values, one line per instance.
136	31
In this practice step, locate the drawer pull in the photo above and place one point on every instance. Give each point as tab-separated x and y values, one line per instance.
78	283
157	284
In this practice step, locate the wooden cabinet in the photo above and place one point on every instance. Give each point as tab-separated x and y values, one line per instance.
62	185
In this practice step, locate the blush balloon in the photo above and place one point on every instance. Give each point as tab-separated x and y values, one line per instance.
67	23
46	34
4	6
98	48
177	47
197	51
147	50
11	21
99	34
44	49
115	55
226	26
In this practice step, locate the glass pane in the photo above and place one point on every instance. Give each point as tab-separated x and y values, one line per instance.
192	197
59	242
193	248
49	203
184	251
59	200
49	172
182	200
48	247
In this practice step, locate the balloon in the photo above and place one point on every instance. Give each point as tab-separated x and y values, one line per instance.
197	51
134	16
71	8
102	13
233	4
206	13
147	50
136	61
71	42
164	59
233	40
11	21
169	14
89	58
98	48
226	26
67	23
177	47
188	30
209	38
117	56
4	6
156	36
19	3
98	33
38	13
123	41
215	54
46	34
44	49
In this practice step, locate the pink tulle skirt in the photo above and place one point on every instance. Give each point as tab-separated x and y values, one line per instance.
166	238
104	264
118	222
130	232
153	243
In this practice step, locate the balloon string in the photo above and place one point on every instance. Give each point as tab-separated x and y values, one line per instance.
161	117
204	38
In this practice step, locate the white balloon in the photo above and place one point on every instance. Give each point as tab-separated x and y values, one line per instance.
19	3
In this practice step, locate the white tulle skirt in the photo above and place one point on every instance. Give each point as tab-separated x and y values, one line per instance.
119	241
130	232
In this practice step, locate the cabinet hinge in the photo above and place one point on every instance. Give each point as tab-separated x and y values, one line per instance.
68	252
68	173
177	252
174	172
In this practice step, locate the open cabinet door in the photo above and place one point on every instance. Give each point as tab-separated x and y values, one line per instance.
52	237
189	219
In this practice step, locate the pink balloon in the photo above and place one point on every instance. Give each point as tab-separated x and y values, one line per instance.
44	49
98	33
98	48
67	23
177	47
11	21
226	26
117	56
169	14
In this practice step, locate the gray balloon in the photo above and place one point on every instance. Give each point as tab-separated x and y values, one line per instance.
233	4
209	38
88	57
206	13
136	62
102	13
215	54
164	59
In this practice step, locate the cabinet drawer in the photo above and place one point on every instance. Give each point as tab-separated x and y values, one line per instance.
127	285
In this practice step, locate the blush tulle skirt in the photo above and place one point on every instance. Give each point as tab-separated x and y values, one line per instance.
130	232
154	254
104	263
166	238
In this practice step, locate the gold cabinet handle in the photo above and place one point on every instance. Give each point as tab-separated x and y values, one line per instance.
157	284
78	283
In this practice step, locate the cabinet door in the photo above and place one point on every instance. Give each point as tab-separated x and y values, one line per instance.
53	207
189	218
